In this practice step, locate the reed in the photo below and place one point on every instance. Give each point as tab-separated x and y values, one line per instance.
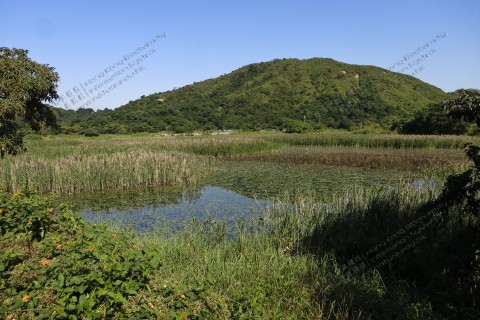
417	162
75	164
114	169
375	141
219	145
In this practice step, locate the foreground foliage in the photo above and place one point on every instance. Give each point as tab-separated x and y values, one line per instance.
364	255
53	265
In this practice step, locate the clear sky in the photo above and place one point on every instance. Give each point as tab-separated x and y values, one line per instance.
198	40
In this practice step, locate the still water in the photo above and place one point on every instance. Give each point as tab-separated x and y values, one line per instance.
237	191
209	202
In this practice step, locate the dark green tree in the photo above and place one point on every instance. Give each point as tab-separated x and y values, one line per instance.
434	119
465	106
464	188
24	86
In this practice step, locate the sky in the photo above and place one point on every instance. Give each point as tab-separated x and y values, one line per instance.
110	52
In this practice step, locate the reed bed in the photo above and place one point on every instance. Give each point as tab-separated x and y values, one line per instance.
220	145
237	144
84	171
375	141
75	164
359	159
292	219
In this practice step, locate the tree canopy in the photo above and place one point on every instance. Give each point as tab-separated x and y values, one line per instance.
24	86
465	106
433	119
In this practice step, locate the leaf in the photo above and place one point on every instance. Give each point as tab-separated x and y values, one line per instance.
131	292
81	302
76	280
116	296
61	280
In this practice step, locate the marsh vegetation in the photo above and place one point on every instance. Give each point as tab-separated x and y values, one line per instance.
344	228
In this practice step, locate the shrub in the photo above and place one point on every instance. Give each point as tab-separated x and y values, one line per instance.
52	264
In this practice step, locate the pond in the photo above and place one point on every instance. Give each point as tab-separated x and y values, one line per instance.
239	190
209	202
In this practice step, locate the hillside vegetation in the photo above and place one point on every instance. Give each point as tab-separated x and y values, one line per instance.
288	94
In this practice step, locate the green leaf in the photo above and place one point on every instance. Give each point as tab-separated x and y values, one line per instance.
81	302
131	292
116	296
61	280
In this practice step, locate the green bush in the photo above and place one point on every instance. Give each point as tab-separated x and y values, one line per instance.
296	126
53	265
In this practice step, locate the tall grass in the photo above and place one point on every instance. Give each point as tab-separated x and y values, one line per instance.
294	260
87	171
374	141
253	276
75	164
359	159
218	146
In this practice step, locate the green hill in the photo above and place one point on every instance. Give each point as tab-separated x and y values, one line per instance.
278	94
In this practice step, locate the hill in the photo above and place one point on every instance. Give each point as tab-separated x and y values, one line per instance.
279	94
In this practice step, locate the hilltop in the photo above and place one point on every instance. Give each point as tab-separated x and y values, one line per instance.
287	94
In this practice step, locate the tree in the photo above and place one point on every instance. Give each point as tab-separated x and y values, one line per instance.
465	106
464	188
24	85
434	119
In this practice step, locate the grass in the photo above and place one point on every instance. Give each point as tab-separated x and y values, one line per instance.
362	254
375	140
359	158
73	164
83	171
294	261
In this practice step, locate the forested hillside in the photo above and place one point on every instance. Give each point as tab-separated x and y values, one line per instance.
288	94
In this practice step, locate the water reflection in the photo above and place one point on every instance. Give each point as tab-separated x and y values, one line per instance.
229	195
209	201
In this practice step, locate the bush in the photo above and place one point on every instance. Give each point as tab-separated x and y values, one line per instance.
89	133
296	126
52	264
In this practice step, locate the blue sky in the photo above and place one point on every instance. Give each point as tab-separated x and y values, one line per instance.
205	39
